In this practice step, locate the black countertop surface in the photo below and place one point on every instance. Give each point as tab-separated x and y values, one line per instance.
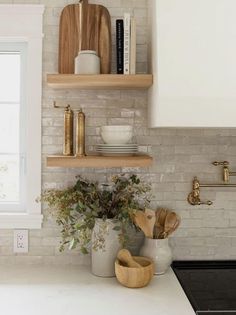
209	285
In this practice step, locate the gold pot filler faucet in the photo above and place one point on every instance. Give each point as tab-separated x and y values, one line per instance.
194	197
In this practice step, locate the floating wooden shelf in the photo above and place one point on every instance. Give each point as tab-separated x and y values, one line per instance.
100	82
96	161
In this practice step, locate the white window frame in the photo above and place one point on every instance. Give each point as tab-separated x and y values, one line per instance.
21	48
23	23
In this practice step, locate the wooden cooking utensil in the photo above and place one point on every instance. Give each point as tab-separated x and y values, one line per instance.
151	216
141	221
126	258
170	222
160	221
161	216
84	26
176	225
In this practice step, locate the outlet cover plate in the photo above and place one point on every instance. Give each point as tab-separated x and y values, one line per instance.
21	241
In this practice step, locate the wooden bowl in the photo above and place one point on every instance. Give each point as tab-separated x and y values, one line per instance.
135	277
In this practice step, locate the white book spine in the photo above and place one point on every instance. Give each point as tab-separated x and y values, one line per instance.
127	43
133	46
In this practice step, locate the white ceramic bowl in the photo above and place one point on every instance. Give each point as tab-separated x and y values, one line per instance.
117	128
117	137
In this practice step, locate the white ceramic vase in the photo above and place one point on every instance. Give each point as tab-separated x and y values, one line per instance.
105	246
160	252
87	62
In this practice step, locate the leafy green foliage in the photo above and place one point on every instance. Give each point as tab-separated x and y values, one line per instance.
76	208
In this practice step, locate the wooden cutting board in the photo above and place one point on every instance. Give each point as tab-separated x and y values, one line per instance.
84	26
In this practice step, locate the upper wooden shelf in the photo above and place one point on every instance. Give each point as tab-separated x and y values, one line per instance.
100	82
96	161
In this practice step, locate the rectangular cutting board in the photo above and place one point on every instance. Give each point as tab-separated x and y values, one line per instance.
84	26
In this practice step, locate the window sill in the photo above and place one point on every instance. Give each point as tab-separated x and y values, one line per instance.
20	221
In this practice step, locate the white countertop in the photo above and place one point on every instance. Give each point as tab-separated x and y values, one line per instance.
65	290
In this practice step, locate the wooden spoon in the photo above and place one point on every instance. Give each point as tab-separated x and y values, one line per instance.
175	226
170	223
160	221
142	222
126	258
161	216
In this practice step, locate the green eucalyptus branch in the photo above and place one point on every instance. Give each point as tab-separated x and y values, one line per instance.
76	208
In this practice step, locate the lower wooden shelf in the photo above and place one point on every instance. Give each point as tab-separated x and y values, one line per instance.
97	161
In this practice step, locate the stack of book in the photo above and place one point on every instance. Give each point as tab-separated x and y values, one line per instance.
126	45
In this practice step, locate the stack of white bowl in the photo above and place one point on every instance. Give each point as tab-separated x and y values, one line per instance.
116	134
117	141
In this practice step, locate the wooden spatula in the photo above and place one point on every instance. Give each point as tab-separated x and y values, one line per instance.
141	220
151	216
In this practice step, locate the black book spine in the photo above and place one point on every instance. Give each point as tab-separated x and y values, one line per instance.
120	46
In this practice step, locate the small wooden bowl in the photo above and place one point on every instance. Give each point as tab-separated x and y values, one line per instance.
135	277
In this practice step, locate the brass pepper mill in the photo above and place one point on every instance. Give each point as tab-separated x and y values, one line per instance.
68	130
80	134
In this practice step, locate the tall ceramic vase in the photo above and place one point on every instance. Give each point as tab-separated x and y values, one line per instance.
160	252
105	246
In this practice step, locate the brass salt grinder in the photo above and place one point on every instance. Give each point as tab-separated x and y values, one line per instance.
80	134
68	129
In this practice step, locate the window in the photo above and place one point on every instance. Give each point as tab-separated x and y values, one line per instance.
20	118
12	127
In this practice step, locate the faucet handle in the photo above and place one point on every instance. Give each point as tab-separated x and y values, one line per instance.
217	163
196	201
208	203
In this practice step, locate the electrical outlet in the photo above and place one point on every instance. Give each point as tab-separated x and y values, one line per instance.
21	243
